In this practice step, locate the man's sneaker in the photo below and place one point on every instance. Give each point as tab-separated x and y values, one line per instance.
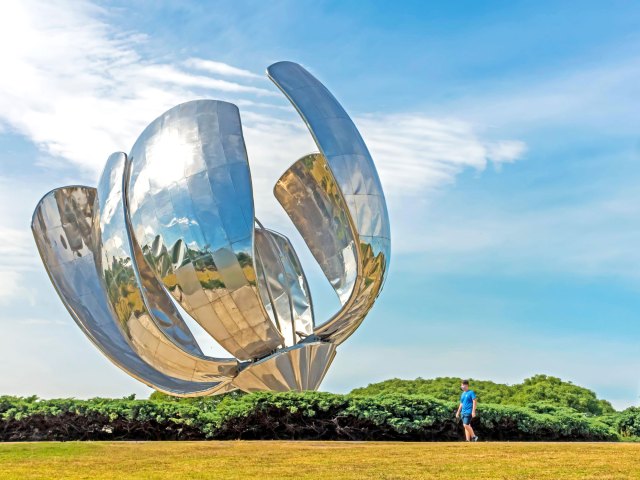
474	438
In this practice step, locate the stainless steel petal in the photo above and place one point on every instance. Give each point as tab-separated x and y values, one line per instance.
356	272
62	228
301	367
310	195
281	276
339	141
191	209
159	341
297	285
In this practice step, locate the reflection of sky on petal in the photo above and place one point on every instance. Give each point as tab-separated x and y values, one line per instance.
164	158
182	221
114	246
110	204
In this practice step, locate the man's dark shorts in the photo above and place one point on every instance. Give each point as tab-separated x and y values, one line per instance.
466	418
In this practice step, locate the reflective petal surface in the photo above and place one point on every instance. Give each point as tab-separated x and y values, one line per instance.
62	228
321	185
173	225
301	367
281	277
161	342
191	209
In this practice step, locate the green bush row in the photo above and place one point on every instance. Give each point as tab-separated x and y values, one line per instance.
309	415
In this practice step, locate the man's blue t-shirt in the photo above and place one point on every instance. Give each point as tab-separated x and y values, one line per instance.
466	399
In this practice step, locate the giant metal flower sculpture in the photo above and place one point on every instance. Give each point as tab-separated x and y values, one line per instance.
174	222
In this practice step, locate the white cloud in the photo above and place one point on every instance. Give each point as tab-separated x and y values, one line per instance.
11	286
219	68
172	76
18	254
45	321
414	152
80	89
15	249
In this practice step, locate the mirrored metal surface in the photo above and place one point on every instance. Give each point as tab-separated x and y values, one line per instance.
301	367
311	197
191	209
315	191
174	222
285	290
164	342
62	228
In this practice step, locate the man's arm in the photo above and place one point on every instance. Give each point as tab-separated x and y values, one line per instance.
458	412
473	411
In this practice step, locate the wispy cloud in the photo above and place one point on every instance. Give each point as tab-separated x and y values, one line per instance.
45	321
219	68
80	89
11	285
592	94
415	153
18	255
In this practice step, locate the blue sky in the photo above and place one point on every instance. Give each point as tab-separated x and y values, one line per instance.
506	135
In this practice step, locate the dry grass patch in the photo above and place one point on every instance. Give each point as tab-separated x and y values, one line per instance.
244	460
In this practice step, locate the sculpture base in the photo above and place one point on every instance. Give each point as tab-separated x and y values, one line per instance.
301	367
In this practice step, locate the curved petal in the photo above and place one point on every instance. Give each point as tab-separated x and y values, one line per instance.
158	343
285	288
62	230
355	190
191	209
300	367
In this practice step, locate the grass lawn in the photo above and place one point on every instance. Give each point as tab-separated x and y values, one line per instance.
325	460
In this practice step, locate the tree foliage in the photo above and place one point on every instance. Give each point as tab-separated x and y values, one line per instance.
537	390
627	423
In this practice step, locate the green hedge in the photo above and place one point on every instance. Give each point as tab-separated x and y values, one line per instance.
309	415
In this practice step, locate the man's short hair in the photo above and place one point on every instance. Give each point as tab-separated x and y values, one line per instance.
465	382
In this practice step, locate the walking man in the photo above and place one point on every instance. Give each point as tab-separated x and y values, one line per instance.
467	408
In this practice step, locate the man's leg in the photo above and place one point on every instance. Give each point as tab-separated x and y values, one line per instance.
468	432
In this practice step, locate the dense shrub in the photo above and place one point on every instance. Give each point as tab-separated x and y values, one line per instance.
95	419
310	415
